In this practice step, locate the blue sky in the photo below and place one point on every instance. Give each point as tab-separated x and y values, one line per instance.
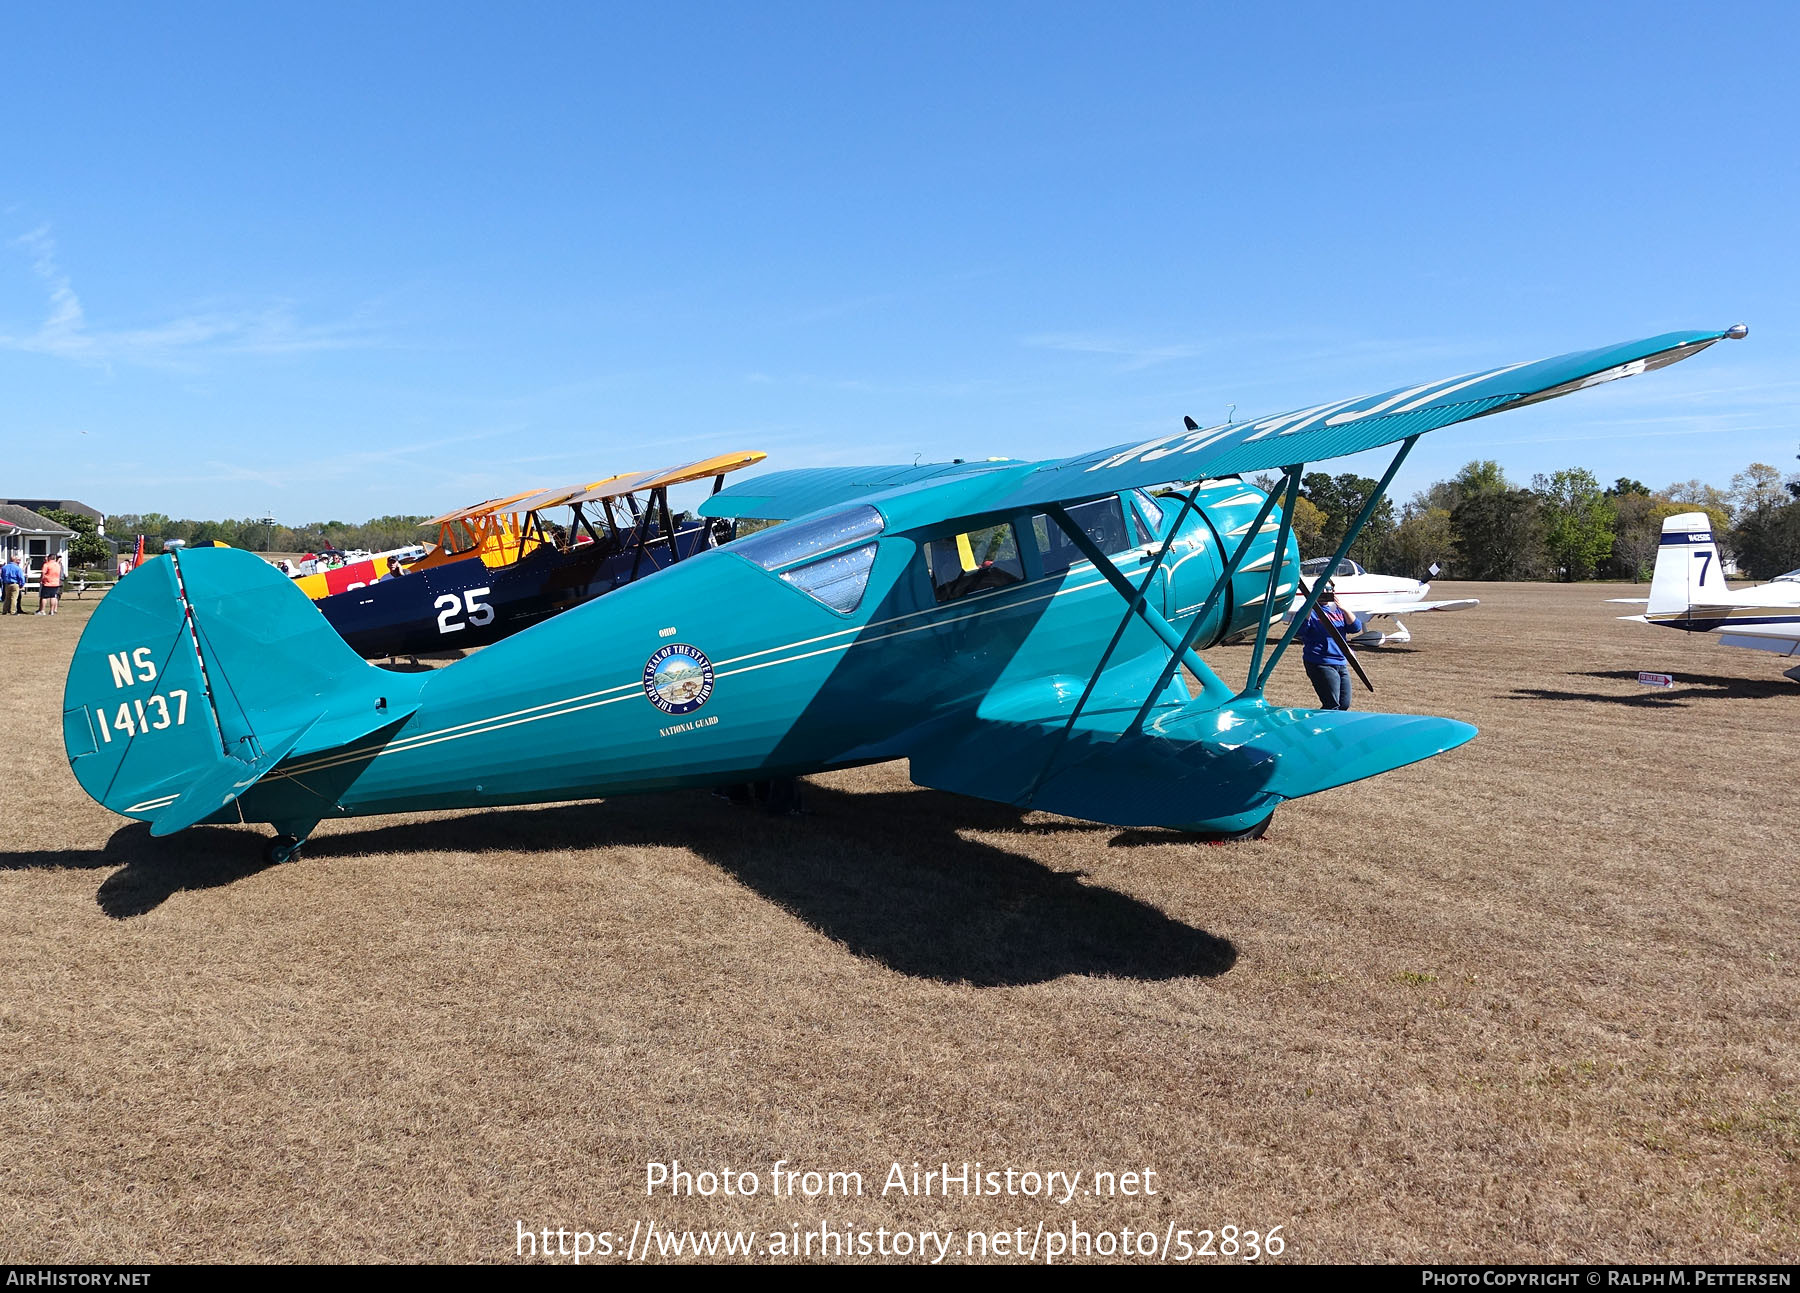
336	261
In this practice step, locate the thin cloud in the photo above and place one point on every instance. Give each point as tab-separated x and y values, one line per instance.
183	341
1136	355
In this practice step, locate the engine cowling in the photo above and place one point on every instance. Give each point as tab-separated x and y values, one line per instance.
1226	509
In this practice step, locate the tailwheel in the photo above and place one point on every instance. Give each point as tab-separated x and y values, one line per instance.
283	848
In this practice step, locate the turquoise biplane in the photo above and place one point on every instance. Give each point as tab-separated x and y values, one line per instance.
1016	630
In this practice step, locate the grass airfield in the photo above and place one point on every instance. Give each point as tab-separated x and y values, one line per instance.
1533	1000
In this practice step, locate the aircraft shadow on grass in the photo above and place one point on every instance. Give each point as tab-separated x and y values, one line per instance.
890	876
1686	689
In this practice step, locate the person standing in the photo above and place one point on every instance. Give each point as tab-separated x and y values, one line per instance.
1326	665
12	580
50	577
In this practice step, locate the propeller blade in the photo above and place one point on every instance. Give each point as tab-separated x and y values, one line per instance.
1343	645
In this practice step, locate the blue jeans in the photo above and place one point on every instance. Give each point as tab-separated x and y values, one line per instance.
1332	682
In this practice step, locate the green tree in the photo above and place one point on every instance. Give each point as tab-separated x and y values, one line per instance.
1577	519
1755	489
1768	541
1341	499
87	548
1497	535
1637	533
1423	538
1309	528
1479	476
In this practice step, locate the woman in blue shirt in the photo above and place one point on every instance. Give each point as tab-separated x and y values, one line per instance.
1324	659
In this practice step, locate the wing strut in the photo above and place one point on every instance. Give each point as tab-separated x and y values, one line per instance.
1318	588
1139	606
1135	605
1212	599
1268	607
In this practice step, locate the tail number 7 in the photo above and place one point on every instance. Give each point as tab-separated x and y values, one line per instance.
450	607
1705	561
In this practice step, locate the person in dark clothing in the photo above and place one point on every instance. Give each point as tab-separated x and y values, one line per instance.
1324	659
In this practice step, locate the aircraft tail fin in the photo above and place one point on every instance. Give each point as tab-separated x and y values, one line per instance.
199	673
1687	567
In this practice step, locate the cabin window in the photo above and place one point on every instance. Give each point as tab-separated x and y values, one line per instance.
837	580
1151	509
745	526
783	545
1103	521
974	562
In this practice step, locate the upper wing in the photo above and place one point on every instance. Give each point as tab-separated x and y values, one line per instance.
783	495
1347	426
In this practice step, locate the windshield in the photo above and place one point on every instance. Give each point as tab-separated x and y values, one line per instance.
783	545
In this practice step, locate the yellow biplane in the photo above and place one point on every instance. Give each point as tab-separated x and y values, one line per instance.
501	565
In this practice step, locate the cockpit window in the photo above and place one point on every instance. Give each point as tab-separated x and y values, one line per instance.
1317	566
1102	520
783	545
973	562
1151	509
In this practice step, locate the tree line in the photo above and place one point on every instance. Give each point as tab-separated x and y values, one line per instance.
377	535
1477	525
1563	526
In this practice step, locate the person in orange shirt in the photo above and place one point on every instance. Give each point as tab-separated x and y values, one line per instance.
50	577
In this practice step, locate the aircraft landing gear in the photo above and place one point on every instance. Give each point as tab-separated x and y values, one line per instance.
1249	833
1243	835
283	848
779	797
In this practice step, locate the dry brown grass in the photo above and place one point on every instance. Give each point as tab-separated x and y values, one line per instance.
1531	1000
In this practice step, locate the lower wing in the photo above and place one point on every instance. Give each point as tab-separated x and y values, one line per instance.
1193	766
1393	609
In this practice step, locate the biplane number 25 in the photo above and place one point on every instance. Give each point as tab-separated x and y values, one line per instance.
450	606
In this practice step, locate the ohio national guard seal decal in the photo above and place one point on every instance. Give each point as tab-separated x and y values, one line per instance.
678	679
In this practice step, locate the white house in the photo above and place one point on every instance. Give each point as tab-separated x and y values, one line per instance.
41	505
31	539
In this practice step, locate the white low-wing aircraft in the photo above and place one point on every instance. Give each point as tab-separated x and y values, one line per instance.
1375	597
1689	592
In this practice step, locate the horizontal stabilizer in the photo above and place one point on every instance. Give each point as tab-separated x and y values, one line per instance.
218	786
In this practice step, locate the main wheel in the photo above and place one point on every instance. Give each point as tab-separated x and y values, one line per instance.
283	848
1252	832
780	796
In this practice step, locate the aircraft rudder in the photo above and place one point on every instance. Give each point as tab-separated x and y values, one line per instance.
202	671
1687	565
